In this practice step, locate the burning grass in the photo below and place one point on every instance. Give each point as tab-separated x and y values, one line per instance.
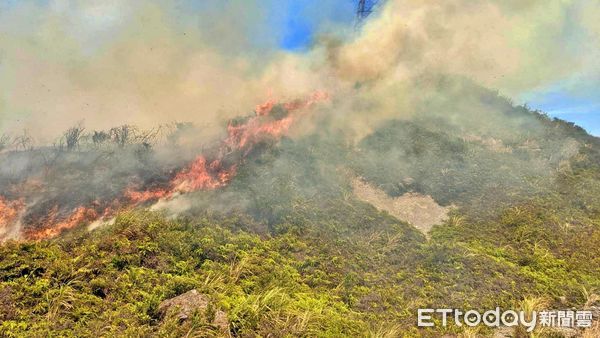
9	214
60	210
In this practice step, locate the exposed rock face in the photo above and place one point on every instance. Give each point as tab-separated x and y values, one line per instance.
421	211
185	305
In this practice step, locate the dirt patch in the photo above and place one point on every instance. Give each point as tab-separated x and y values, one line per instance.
421	211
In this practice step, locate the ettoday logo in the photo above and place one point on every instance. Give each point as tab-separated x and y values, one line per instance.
508	318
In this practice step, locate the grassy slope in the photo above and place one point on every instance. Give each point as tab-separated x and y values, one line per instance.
301	256
346	270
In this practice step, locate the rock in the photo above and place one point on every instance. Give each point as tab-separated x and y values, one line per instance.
185	305
595	311
565	332
509	332
221	321
504	332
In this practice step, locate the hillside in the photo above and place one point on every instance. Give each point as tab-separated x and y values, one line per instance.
287	247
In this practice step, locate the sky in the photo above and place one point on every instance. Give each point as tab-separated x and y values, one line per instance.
581	107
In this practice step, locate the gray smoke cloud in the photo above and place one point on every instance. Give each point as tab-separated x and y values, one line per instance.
149	62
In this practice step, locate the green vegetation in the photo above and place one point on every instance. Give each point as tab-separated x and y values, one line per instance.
347	270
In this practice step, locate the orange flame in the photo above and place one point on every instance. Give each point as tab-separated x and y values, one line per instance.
9	211
52	228
201	174
197	177
137	197
241	136
265	108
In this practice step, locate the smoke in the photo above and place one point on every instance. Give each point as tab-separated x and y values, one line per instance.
151	62
513	46
509	45
101	64
136	62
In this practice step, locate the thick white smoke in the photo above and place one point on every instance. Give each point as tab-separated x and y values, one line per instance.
148	62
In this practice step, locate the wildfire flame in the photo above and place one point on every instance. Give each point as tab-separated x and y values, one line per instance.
201	174
198	176
53	227
9	212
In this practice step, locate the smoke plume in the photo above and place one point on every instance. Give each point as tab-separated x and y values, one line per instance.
151	65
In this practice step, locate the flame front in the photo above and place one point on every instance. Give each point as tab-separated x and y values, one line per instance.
201	174
54	227
9	213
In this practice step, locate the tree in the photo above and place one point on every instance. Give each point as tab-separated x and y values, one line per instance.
72	136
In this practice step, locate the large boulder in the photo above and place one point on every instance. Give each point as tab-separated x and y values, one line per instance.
186	305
